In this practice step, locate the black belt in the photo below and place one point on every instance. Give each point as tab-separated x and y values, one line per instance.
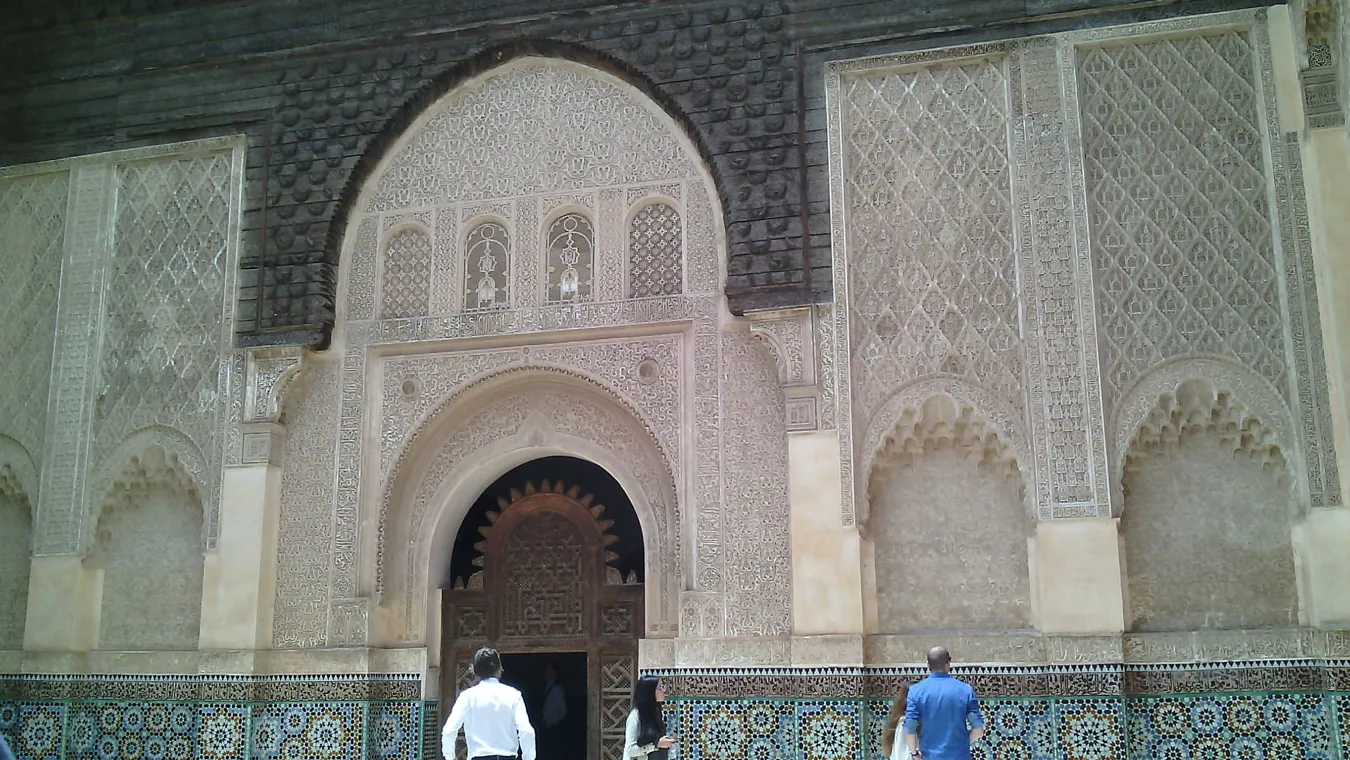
494	757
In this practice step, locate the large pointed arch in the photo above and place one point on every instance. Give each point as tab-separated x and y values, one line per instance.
485	61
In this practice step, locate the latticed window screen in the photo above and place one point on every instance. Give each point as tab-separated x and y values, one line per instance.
654	255
486	267
407	274
545	565
571	259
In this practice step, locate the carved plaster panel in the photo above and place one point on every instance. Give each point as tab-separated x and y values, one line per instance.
647	372
1252	297
32	234
535	129
145	319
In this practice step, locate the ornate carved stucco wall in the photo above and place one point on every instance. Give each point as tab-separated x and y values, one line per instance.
118	324
1057	232
440	387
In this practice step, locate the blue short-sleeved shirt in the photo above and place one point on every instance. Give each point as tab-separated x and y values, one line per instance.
942	710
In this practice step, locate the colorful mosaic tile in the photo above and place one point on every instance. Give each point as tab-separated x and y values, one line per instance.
311	731
33	730
1238	726
1341	716
829	730
395	730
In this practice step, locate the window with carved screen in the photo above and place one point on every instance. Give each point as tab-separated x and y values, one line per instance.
407	274
545	590
487	262
654	252
571	259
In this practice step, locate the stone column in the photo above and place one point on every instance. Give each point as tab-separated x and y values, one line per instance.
239	577
826	555
65	593
1307	58
1081	575
65	597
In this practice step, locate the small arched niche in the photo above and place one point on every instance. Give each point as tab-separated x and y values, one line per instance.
149	544
1208	517
948	529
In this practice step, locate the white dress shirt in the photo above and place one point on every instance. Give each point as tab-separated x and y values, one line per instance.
494	720
631	750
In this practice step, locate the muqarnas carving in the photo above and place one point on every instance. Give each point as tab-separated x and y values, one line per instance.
948	525
1207	517
149	544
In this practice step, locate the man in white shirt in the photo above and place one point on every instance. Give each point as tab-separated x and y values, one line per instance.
492	714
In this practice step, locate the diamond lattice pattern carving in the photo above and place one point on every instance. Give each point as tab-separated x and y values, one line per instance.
167	303
407	274
526	131
931	264
1177	196
32	226
544	563
654	252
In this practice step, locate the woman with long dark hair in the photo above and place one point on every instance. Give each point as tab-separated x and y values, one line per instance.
645	735
892	743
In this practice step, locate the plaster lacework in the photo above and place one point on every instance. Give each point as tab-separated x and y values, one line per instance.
487	261
305	522
755	491
32	226
1068	476
655	237
534	129
1177	194
407	274
571	259
931	275
174	245
435	380
923	235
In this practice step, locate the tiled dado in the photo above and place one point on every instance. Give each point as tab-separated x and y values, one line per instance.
1269	710
213	718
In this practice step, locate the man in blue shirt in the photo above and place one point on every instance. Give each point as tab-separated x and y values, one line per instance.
942	716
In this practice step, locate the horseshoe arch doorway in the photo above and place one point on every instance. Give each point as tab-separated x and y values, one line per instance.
547	567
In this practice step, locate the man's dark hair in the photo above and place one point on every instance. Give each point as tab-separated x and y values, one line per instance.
939	658
487	663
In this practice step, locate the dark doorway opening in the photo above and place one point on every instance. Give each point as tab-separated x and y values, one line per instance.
527	672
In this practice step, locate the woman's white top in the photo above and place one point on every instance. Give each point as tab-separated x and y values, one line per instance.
899	749
631	749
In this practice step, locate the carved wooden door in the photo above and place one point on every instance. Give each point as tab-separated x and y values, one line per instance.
546	586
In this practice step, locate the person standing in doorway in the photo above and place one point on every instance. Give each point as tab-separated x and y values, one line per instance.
942	715
492	714
645	734
553	734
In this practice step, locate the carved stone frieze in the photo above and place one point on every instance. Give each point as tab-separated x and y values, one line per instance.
1224	646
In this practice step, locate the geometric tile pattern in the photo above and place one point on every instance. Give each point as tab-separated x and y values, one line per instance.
102	729
1304	725
1190	727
